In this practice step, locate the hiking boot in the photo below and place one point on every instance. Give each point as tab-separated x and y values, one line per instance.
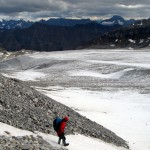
66	144
59	141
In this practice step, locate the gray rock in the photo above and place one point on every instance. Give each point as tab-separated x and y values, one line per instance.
25	146
25	143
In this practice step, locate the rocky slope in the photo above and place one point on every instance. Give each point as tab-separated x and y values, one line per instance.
25	143
135	36
4	55
23	107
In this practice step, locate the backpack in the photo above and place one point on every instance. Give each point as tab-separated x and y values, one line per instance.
56	123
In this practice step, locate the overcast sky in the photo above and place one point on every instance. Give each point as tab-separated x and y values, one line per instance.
37	9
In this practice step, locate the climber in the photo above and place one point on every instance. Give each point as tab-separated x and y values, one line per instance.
59	126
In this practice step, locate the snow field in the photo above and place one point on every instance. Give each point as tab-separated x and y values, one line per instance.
126	112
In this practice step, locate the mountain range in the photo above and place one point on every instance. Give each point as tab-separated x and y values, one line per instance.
21	24
69	34
42	37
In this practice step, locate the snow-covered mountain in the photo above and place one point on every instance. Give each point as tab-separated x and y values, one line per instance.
13	24
117	20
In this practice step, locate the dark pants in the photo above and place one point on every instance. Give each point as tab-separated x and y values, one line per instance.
63	138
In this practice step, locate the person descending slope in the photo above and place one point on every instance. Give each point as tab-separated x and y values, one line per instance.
59	126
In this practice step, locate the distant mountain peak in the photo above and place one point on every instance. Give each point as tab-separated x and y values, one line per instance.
114	20
117	17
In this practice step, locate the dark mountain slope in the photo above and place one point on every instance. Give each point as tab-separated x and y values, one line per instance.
143	22
43	37
135	36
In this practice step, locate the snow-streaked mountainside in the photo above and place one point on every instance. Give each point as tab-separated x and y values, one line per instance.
110	87
15	24
134	37
117	20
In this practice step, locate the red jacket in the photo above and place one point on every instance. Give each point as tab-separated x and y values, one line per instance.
62	126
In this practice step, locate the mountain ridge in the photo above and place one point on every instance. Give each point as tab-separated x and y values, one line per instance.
21	24
117	20
43	37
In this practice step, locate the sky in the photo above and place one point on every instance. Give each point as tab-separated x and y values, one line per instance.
94	9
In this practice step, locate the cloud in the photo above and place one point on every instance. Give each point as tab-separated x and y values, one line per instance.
36	9
132	6
17	6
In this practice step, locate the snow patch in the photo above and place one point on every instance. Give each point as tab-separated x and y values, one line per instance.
76	142
141	41
108	23
132	41
130	48
20	24
120	22
12	130
112	45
